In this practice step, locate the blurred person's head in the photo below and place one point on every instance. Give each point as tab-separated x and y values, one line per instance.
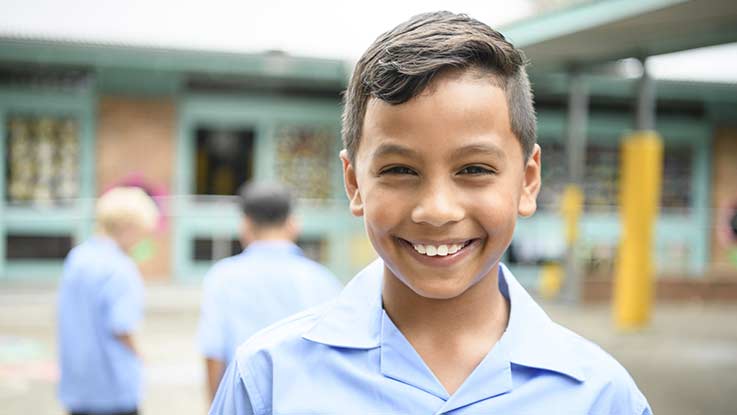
267	212
402	63
127	215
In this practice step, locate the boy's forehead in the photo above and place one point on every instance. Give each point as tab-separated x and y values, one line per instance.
453	120
451	98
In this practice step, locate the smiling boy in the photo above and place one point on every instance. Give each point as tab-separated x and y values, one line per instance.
440	159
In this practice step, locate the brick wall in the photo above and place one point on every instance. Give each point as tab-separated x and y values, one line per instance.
136	140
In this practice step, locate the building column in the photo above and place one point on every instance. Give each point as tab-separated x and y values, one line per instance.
573	197
639	194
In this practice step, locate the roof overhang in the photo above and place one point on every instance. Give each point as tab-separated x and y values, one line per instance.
603	31
115	57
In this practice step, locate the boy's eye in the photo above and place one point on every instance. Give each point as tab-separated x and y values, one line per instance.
476	170
398	170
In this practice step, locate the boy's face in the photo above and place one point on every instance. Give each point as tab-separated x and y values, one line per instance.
130	234
440	181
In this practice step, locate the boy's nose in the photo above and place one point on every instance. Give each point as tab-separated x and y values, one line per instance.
438	205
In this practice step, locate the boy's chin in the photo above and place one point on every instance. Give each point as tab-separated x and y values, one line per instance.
440	289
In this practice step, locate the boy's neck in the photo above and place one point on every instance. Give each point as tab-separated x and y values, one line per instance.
451	336
481	310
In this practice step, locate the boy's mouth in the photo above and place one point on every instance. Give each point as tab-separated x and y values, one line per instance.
442	250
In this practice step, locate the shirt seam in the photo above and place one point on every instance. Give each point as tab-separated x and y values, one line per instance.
251	385
643	406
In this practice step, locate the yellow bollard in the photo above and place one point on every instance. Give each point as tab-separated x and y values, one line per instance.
571	207
551	280
639	194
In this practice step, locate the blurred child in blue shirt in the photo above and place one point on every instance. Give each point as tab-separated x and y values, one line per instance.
440	159
100	304
271	279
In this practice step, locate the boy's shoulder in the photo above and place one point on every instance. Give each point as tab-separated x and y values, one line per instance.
282	337
602	371
591	357
349	320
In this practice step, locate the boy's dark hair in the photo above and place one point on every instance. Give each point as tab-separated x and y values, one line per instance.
266	204
401	63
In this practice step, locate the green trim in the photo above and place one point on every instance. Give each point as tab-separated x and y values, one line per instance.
37	221
137	82
265	65
701	185
33	270
556	84
3	147
265	151
605	127
578	18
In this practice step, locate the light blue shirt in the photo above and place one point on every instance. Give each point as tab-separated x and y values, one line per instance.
348	357
267	282
100	296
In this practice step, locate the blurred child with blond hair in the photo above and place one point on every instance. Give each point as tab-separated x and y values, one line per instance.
100	304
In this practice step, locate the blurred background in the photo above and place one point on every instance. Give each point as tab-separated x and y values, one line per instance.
189	100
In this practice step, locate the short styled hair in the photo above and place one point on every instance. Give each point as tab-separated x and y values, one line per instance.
125	206
265	204
401	63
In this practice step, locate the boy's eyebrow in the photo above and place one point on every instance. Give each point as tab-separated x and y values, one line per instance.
394	149
475	149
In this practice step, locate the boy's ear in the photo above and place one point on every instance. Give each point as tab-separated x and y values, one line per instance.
293	227
351	185
530	184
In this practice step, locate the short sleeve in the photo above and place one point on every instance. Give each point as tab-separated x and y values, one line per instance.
621	396
211	329
124	297
232	397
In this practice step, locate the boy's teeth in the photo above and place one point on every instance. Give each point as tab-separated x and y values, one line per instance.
440	250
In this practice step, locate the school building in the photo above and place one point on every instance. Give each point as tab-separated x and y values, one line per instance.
191	126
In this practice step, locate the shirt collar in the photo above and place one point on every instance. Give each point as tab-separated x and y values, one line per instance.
279	246
535	340
354	320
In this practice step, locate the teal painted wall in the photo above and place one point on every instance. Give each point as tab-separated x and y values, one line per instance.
690	229
346	250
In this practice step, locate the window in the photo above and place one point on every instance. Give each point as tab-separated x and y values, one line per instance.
554	176
43	157
601	177
23	246
224	160
677	174
213	249
303	159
